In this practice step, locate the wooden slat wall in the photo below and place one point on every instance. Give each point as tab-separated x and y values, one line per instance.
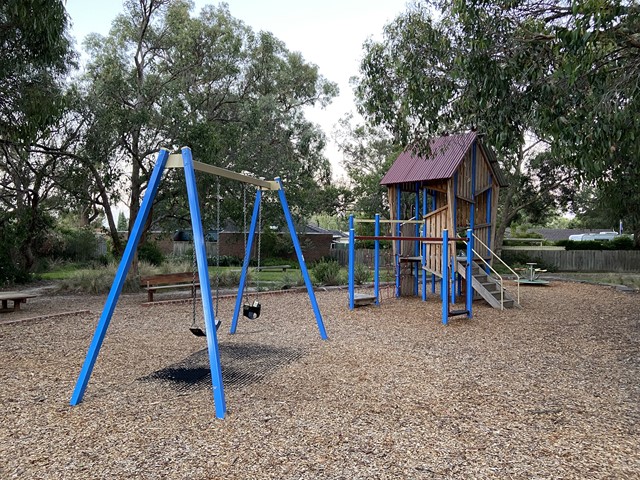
435	222
483	177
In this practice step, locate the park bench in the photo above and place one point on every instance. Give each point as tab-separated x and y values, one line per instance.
271	268
16	297
165	281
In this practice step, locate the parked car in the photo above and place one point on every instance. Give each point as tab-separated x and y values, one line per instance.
583	237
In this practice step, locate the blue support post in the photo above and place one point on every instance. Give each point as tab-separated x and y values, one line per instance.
453	279
398	230
352	263
118	282
376	260
205	286
445	277
423	247
245	263
303	266
433	275
469	285
416	250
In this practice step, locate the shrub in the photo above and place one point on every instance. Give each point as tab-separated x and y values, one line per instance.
361	274
290	280
225	261
150	252
327	272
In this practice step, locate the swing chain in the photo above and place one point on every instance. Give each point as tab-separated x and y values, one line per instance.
259	250
218	200
245	234
193	283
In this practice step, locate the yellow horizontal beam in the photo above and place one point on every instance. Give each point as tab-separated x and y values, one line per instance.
175	161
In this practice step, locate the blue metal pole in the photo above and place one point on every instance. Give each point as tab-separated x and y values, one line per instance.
453	279
423	248
303	266
445	277
205	287
469	286
399	243
245	263
416	250
433	207
352	262
376	260
118	282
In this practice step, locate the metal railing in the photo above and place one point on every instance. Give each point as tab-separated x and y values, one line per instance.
493	254
497	274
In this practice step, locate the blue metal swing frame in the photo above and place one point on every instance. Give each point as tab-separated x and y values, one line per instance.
185	161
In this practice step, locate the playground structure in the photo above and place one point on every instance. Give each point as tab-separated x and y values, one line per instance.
455	189
185	161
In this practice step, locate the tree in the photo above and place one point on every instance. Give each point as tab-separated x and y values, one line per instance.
35	57
165	78
368	154
515	70
122	222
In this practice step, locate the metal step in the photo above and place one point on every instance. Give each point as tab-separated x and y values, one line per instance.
486	287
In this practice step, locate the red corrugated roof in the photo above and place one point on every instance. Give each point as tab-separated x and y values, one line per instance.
446	155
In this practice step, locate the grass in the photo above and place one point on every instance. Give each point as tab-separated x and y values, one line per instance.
628	279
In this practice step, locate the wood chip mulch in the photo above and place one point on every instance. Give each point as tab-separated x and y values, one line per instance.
548	391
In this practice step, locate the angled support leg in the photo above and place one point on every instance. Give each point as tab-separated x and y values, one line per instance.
205	286
303	266
245	264
118	282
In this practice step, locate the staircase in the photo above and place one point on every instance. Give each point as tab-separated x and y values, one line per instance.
487	287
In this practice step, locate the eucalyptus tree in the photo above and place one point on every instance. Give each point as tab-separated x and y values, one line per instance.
559	73
368	153
163	77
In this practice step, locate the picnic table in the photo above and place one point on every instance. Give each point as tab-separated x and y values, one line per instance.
16	297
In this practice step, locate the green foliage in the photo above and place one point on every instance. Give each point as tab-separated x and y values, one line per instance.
123	223
361	274
225	261
327	272
623	242
151	253
553	88
77	245
289	280
99	280
275	245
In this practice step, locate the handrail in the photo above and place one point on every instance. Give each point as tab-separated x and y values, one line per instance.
502	261
499	276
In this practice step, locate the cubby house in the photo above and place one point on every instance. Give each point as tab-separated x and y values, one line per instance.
455	188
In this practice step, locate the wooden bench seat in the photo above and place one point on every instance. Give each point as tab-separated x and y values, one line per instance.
267	268
16	297
165	281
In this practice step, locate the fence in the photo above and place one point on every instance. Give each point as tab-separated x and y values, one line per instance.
186	248
585	260
559	260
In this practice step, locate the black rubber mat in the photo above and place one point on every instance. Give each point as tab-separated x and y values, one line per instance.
242	364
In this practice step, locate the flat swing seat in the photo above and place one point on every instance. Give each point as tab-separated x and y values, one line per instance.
198	332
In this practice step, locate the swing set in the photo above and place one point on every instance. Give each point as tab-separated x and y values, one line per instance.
185	161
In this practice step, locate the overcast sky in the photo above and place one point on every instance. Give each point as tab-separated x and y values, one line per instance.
328	33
